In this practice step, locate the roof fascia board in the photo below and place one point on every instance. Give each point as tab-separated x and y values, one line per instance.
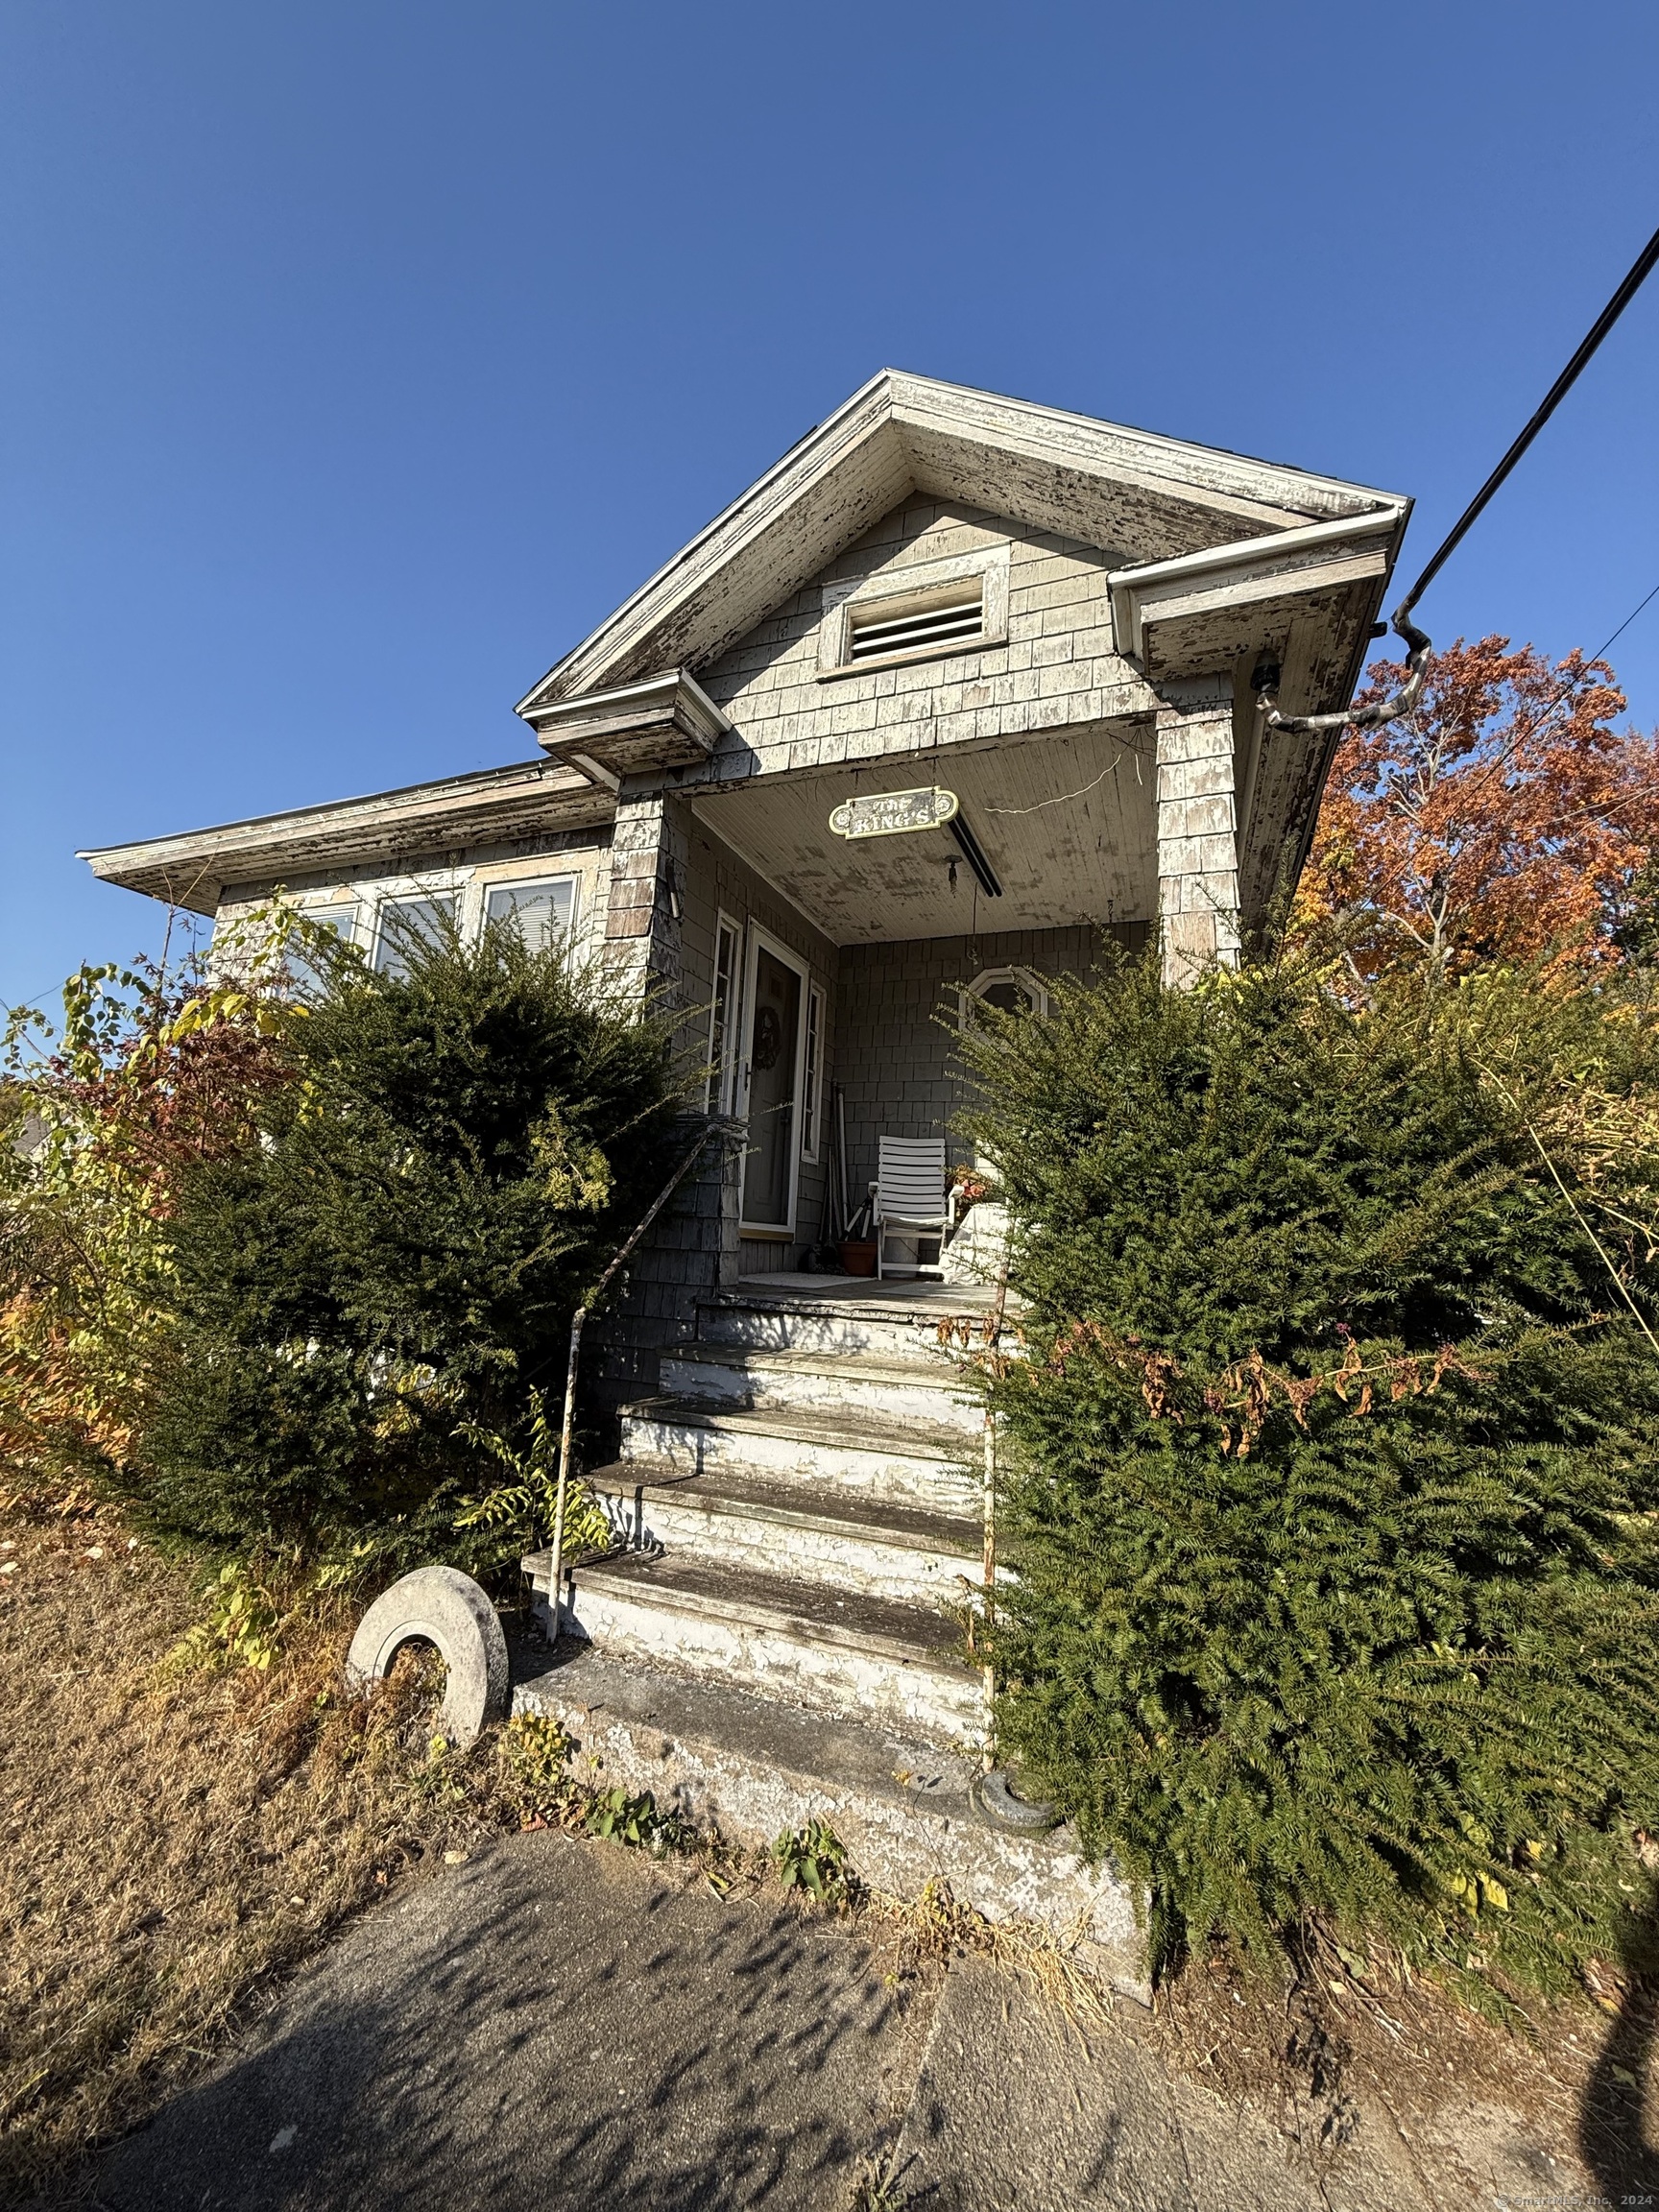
1146	456
1235	488
655	692
868	410
1136	592
182	865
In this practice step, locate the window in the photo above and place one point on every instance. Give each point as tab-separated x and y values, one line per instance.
339	915
723	1016
408	922
1010	990
813	1084
954	619
544	911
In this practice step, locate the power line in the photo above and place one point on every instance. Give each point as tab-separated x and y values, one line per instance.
1505	754
1417	642
1640	269
1569	688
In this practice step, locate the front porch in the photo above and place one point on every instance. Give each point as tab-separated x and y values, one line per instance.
834	972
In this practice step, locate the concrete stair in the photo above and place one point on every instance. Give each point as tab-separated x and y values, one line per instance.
801	1517
797	1561
915	1462
787	1639
854	1543
886	1386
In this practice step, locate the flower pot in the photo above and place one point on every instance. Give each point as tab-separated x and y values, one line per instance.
858	1259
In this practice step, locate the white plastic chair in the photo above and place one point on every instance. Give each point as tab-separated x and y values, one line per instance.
910	1197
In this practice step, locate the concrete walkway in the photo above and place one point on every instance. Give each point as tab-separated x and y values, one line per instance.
560	2024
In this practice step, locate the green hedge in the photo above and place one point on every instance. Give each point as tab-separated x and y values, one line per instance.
398	1258
1330	1472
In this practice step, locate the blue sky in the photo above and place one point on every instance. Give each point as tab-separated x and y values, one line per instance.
358	357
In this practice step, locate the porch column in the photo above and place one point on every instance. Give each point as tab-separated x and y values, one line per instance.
648	853
1197	834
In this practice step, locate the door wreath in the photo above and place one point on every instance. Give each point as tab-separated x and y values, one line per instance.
768	1037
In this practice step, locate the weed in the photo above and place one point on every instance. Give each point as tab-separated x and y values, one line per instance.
878	2186
813	1858
527	1504
619	1818
242	1627
440	1781
535	1753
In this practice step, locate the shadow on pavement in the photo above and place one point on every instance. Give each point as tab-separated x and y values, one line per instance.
554	2024
1614	2137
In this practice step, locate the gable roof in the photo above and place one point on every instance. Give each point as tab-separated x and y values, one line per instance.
1141	496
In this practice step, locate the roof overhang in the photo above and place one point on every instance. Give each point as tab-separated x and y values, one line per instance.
195	868
1147	498
666	723
1202	610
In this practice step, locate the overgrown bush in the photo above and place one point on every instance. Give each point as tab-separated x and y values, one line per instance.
388	1272
149	1072
1330	1471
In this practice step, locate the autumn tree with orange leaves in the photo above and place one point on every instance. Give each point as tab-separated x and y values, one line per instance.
1507	820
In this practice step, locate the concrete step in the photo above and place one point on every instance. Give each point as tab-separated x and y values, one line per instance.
799	1641
856	1383
847	1313
905	1463
753	1769
847	1542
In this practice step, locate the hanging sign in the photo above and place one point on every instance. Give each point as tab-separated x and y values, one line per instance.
891	813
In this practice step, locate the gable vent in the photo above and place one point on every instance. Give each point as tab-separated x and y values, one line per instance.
875	633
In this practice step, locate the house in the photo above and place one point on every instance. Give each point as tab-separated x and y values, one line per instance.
958	688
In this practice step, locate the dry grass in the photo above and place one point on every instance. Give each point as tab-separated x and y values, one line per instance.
173	1844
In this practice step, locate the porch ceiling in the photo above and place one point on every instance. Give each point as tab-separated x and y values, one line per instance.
1067	823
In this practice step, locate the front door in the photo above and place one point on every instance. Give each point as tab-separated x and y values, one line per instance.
776	1000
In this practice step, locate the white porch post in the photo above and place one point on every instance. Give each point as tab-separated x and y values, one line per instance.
1197	837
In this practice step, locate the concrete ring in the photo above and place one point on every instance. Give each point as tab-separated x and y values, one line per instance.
443	1606
993	1798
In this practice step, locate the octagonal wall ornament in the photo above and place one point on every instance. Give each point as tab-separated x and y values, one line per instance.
894	814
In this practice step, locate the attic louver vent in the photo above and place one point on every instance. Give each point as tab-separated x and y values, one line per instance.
881	634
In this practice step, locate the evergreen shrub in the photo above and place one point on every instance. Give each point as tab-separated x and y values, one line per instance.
389	1272
1328	1469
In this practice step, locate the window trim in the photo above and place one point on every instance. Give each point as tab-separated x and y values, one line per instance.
916	588
721	1088
487	890
420	893
812	1074
311	906
1024	979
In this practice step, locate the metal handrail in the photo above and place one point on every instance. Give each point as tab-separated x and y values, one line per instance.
710	1130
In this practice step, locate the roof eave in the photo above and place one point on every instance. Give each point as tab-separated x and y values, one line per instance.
1245	499
193	868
